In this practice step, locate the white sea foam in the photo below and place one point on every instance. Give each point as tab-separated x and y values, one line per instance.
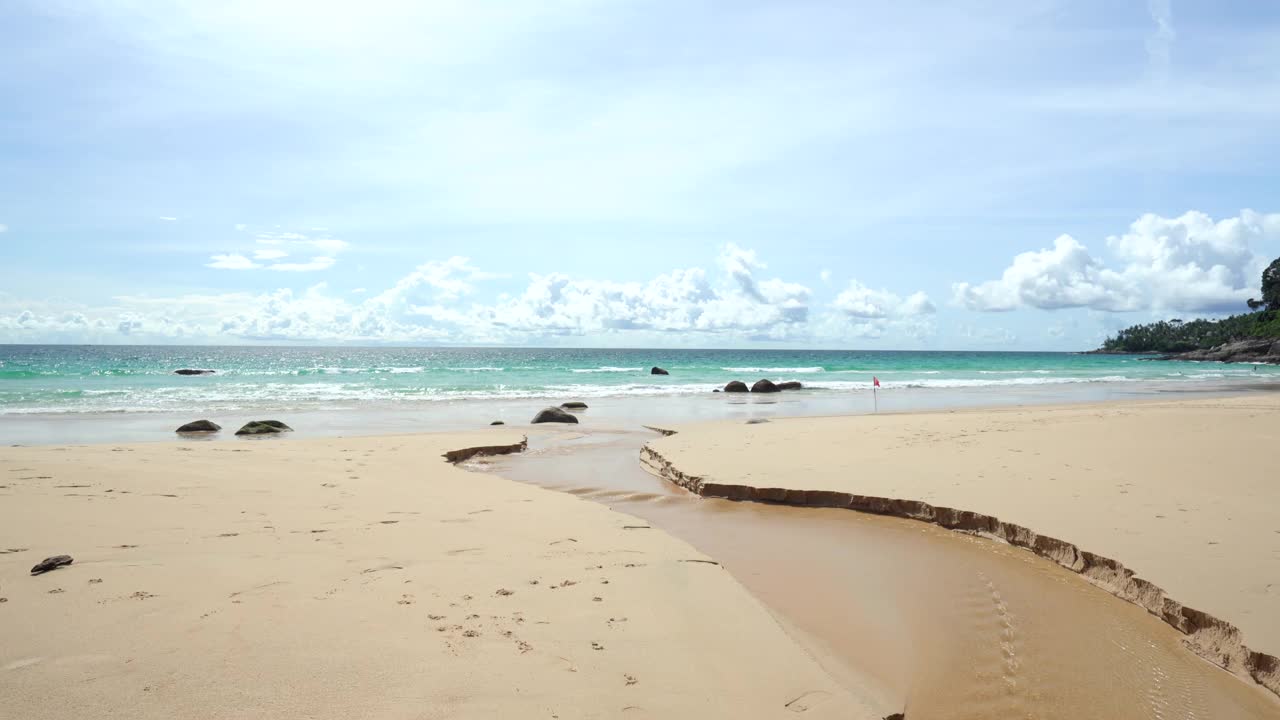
607	369
231	396
1015	372
774	369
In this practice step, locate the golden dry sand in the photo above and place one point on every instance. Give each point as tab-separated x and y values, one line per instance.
363	577
1183	493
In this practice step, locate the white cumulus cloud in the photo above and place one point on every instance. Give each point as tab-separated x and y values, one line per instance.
870	314
1188	263
322	262
860	301
273	246
231	261
443	301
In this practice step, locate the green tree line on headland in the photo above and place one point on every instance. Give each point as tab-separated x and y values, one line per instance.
1174	336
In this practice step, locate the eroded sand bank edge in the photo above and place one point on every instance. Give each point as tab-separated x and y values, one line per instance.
464	454
1213	639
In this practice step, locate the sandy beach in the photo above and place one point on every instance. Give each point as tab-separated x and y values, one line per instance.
366	577
1167	504
372	576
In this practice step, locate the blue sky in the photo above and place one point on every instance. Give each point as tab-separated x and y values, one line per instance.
990	175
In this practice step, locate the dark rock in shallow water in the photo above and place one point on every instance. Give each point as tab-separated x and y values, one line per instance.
497	422
575	405
553	415
51	563
658	371
757	421
193	371
200	426
764	386
716	390
263	427
736	386
790	385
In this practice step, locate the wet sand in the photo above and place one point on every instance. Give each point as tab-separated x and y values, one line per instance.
352	578
401	418
1180	493
909	615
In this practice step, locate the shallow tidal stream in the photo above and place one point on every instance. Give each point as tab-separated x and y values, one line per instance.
914	618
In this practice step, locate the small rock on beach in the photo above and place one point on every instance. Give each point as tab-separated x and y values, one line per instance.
263	427
553	415
51	563
764	386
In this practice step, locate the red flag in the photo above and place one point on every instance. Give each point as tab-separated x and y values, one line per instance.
875	381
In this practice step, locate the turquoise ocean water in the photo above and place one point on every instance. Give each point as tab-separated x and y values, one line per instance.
132	379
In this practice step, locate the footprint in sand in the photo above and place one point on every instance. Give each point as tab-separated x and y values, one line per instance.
807	701
19	664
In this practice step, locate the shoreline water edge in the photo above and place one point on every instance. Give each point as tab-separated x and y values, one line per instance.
59	394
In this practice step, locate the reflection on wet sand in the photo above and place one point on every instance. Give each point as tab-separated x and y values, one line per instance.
913	617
